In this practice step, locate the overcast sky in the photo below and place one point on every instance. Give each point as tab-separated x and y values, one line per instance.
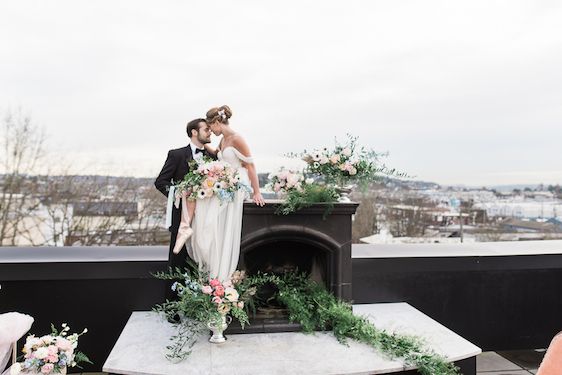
466	92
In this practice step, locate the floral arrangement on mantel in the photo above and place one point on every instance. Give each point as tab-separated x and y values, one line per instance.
308	304
331	175
50	354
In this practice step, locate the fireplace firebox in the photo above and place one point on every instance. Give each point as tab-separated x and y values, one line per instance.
303	241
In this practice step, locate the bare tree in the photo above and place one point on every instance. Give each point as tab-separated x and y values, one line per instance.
409	216
22	143
64	208
365	219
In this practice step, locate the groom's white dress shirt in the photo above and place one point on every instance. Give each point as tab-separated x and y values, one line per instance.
196	155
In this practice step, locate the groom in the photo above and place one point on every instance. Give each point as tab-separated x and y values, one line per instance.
173	171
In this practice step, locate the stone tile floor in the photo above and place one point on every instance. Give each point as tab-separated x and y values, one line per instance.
520	362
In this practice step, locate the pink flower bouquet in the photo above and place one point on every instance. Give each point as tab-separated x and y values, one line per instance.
50	354
210	178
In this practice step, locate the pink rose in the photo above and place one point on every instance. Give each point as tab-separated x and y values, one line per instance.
293	179
64	344
240	305
47	368
215	282
219	291
52	358
227	284
52	349
207	289
217	300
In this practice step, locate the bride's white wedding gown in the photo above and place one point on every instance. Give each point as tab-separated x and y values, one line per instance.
217	227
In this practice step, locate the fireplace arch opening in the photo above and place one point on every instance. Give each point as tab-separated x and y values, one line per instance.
288	250
289	256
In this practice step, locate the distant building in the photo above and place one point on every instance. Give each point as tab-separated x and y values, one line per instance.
529	226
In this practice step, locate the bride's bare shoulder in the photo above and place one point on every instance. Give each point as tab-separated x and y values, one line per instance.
240	144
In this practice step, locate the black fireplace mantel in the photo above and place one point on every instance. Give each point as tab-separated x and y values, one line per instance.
331	233
315	209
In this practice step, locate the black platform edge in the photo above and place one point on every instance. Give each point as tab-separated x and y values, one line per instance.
263	326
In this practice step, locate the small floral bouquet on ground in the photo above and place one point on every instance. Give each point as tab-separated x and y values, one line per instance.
210	178
50	354
202	300
286	180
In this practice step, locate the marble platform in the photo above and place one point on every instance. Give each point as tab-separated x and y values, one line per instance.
141	346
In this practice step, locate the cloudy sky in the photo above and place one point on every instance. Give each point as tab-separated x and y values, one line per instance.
463	92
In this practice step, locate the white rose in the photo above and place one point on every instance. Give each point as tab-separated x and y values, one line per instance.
32	341
15	369
353	171
47	339
324	160
346	151
309	181
231	294
41	353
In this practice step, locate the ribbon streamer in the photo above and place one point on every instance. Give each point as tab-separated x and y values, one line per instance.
171	198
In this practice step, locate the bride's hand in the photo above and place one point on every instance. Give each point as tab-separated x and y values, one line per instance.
258	199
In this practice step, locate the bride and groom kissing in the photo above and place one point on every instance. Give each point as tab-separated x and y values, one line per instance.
213	227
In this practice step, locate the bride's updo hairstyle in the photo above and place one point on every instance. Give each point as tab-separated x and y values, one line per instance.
220	114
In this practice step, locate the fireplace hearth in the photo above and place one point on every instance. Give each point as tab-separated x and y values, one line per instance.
302	241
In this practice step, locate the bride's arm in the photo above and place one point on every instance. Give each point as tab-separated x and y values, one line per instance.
243	148
210	149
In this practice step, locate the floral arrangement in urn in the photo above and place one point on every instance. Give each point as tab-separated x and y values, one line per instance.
347	164
203	303
330	175
50	354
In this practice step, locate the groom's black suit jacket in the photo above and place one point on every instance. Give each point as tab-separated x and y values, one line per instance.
174	169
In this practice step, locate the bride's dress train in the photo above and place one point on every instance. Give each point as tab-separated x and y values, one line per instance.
217	228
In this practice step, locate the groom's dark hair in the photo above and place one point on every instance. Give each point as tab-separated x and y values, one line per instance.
193	125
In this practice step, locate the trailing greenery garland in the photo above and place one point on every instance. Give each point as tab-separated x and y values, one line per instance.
314	307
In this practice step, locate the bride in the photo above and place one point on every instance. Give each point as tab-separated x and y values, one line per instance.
217	227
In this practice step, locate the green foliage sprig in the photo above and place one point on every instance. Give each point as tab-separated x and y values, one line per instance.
310	194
